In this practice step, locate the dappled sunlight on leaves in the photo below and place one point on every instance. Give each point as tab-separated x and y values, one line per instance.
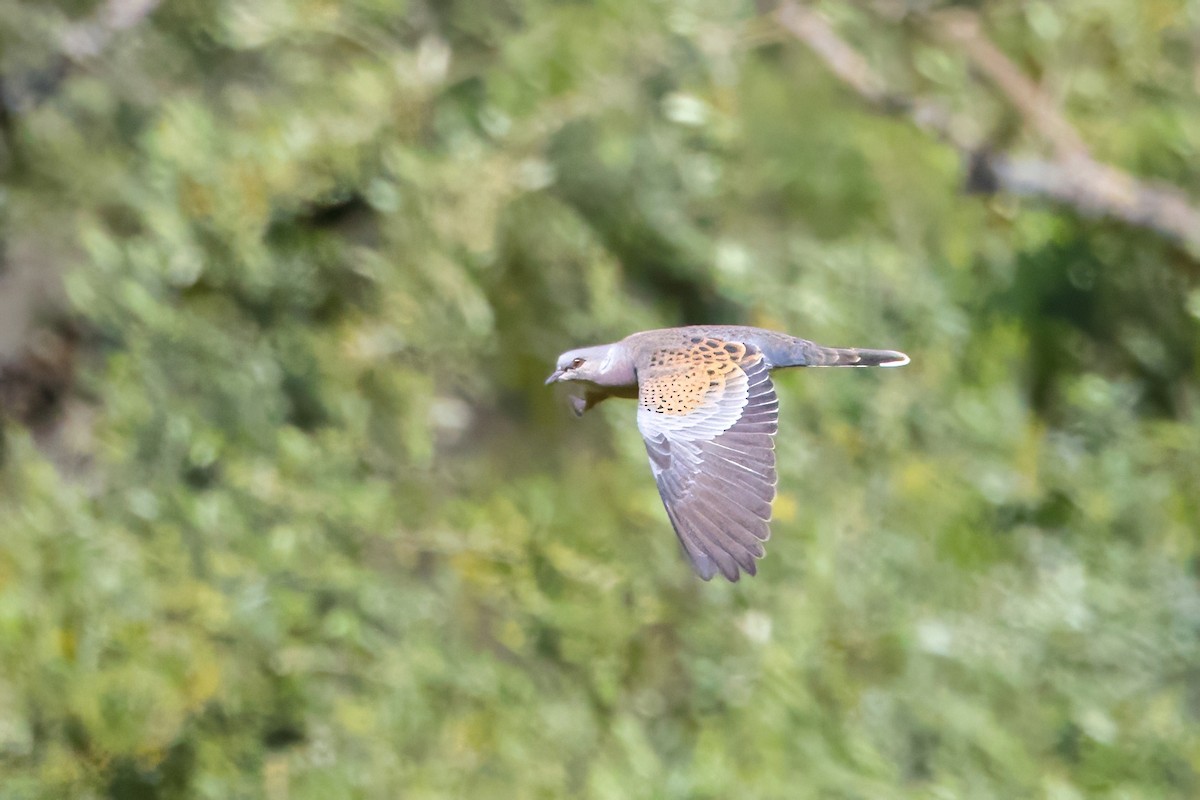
325	533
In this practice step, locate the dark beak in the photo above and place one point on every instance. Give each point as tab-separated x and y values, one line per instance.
554	376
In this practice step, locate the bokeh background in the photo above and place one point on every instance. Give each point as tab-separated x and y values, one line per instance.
286	511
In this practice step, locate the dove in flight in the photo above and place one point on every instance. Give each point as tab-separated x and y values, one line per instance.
708	413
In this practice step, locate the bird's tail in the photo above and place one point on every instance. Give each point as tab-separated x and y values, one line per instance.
811	354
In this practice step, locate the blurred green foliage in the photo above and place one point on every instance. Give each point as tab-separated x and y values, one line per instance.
335	539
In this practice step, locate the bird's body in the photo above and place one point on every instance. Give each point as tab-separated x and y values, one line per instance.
707	410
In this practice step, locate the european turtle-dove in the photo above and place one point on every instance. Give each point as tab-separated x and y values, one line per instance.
708	412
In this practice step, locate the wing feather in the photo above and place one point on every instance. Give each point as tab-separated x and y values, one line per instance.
708	416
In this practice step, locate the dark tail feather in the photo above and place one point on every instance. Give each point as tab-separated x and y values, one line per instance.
814	355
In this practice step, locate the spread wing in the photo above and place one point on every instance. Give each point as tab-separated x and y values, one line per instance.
708	412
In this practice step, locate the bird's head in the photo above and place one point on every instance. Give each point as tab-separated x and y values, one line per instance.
583	364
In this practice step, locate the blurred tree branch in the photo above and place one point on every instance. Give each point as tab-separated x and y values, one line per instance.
38	359
77	43
1040	111
1072	177
89	38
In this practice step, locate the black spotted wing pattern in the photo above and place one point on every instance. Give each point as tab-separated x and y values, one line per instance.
708	413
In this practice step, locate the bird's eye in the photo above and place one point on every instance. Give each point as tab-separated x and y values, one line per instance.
577	363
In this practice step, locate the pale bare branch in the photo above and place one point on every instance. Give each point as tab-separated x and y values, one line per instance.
1072	178
1042	113
88	39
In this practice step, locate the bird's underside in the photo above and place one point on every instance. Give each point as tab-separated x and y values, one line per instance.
708	413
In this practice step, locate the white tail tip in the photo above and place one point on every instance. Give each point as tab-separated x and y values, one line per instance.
898	362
